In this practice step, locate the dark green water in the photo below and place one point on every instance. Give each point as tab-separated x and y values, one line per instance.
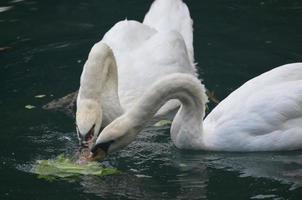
234	41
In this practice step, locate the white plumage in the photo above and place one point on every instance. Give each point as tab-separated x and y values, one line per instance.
132	56
264	114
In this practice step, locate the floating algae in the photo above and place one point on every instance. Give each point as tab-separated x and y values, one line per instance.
65	168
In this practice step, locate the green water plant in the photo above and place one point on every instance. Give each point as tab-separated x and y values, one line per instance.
62	167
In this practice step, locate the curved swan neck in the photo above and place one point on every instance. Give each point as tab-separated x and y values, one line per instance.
187	124
99	81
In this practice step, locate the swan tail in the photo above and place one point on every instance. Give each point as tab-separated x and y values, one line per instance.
172	15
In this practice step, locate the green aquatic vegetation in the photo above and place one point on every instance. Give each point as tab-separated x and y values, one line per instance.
65	168
39	96
29	107
163	123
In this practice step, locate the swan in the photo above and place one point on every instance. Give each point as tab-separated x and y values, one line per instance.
130	57
264	114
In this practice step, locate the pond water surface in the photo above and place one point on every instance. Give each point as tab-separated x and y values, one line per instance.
49	40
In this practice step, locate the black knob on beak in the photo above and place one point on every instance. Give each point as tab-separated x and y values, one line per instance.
99	151
103	146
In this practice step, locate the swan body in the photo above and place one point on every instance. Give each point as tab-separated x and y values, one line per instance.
131	57
145	58
264	114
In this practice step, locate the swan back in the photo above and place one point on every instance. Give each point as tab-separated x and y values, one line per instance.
146	52
234	101
148	58
264	114
126	36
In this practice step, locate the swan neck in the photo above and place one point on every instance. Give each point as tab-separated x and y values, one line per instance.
99	81
187	123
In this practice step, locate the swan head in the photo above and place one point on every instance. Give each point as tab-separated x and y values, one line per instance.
114	137
88	121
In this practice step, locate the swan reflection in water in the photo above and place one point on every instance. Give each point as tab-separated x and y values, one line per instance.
152	166
194	177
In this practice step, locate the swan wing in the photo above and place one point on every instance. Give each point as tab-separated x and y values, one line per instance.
143	56
172	15
146	52
162	54
265	114
126	36
231	103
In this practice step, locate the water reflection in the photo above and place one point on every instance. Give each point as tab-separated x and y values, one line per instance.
153	168
189	174
283	167
234	41
186	183
6	8
124	186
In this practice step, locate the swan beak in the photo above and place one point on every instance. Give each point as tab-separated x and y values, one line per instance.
98	155
86	144
99	151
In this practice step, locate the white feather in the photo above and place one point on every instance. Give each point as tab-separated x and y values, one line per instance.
264	114
141	54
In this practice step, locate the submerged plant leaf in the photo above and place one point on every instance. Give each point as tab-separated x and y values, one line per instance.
65	168
163	123
39	96
29	107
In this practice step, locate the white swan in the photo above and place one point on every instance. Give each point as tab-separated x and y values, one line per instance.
142	53
264	114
